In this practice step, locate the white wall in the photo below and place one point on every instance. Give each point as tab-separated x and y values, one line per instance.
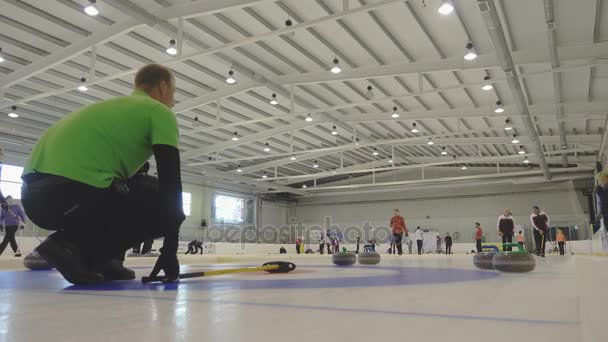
448	209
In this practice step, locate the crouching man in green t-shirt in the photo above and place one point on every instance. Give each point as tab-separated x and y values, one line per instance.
77	182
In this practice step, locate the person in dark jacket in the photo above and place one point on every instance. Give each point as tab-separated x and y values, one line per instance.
506	227
448	243
540	222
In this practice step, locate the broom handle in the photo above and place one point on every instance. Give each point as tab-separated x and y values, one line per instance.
146	280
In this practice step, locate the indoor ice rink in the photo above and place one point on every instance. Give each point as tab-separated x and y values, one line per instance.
429	170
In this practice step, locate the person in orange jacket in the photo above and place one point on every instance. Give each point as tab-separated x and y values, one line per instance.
399	230
561	241
520	238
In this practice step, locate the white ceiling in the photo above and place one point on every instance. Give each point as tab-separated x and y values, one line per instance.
421	51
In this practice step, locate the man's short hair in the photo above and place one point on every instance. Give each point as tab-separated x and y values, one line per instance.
397	210
150	76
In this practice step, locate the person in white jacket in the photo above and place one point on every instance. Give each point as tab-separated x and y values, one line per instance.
418	236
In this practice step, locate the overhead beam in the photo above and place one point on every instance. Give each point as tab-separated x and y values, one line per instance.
568	54
505	58
260	184
557	76
153	19
573	111
584	172
249	138
424	162
197	8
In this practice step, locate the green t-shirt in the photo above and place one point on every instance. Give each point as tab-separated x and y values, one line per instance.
107	140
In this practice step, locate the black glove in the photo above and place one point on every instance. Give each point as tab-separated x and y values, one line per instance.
168	263
4	205
1	229
22	227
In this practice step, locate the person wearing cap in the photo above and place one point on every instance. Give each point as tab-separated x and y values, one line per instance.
540	222
505	227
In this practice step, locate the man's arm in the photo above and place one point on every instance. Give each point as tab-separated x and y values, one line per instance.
170	190
548	220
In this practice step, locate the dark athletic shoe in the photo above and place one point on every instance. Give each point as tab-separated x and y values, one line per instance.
114	270
18	254
68	261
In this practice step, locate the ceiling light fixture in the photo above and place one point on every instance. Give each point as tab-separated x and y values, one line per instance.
230	79
91	9
395	114
315	165
239	169
446	7
508	125
235	137
443	151
515	140
304	186
13	113
82	87
390	161
334	131
430	142
464	167
1	59
370	91
521	150
375	152
526	160
308	118
267	147
336	68
264	175
196	122
499	108
470	53
171	50
414	129
293	158
273	99
487	86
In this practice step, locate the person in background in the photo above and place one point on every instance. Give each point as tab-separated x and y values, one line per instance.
371	246
540	222
193	247
336	244
438	244
418	236
561	241
358	242
328	243
448	243
322	244
12	218
298	243
408	241
478	236
399	231
520	239
601	194
505	227
282	250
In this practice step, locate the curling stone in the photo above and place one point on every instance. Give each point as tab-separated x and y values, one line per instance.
34	261
483	260
514	261
369	258
344	258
